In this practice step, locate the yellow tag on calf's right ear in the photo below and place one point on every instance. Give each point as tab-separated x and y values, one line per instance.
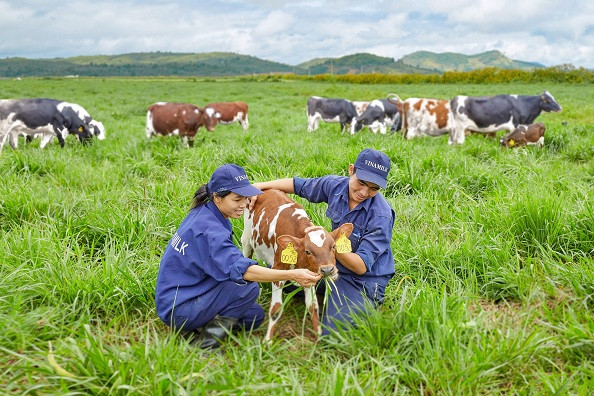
343	244
511	142
289	255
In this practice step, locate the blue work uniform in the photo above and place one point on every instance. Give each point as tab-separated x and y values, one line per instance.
201	275
373	220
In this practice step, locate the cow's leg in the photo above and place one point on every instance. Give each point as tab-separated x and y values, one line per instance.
456	136
311	302
46	137
382	128
312	123
276	308
13	140
3	138
244	123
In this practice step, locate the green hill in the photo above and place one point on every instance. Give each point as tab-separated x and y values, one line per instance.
211	64
144	64
449	61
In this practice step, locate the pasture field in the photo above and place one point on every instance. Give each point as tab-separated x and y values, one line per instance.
494	250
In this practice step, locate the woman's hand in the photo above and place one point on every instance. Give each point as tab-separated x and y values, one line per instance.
305	277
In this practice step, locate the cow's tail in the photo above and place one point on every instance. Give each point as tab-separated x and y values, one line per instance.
393	101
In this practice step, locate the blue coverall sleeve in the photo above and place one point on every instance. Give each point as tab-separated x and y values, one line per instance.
225	261
314	190
375	240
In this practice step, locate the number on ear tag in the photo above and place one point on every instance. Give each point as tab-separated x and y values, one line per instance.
343	244
289	255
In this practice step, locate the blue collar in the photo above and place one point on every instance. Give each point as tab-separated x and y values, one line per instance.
225	222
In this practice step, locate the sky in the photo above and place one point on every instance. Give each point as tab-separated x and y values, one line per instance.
551	32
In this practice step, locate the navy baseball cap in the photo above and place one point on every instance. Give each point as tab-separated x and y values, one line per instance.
372	166
231	177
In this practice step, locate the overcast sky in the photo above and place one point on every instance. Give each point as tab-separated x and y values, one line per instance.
551	32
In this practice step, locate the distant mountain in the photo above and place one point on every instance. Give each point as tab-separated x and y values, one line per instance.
144	64
232	64
450	61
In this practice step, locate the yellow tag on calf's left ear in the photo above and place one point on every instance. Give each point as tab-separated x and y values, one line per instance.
511	142
80	128
343	244
289	255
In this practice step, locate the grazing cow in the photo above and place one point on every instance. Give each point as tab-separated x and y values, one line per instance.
40	116
278	231
525	135
380	114
424	116
493	113
179	119
229	112
330	110
96	127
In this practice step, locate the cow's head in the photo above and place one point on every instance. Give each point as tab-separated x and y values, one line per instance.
211	118
316	251
548	103
97	129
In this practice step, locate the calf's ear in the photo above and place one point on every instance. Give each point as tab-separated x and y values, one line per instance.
284	240
346	228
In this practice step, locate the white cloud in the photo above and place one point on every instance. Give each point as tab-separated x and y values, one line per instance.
293	31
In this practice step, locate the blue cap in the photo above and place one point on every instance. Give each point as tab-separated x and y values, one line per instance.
231	177
372	166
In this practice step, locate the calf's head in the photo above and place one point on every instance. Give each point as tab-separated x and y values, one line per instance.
316	251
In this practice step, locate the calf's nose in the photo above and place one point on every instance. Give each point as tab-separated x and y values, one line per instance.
327	270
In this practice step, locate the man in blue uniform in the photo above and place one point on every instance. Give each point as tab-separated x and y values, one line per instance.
366	269
205	284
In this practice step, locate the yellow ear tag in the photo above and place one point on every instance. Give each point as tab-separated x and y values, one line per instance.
289	255
343	244
511	142
80	128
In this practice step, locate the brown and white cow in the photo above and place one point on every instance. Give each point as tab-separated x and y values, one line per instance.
525	135
179	119
424	116
229	112
279	232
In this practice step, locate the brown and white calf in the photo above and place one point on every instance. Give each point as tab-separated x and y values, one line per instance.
525	135
274	227
230	112
178	119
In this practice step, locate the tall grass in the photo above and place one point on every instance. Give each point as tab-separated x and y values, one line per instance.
493	291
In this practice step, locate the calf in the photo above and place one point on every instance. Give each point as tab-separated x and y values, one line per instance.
380	114
278	231
179	119
330	110
493	113
40	116
229	112
423	116
524	135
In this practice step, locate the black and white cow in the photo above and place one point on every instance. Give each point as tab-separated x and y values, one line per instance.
330	110
493	113
40	116
380	114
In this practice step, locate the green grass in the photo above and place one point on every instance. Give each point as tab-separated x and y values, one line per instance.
494	250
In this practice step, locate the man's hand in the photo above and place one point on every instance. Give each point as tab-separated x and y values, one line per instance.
305	277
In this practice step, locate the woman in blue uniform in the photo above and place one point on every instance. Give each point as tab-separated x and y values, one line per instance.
364	270
205	284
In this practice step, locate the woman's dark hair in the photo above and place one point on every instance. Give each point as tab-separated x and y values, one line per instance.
202	196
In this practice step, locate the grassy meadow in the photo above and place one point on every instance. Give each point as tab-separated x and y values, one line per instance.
494	250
